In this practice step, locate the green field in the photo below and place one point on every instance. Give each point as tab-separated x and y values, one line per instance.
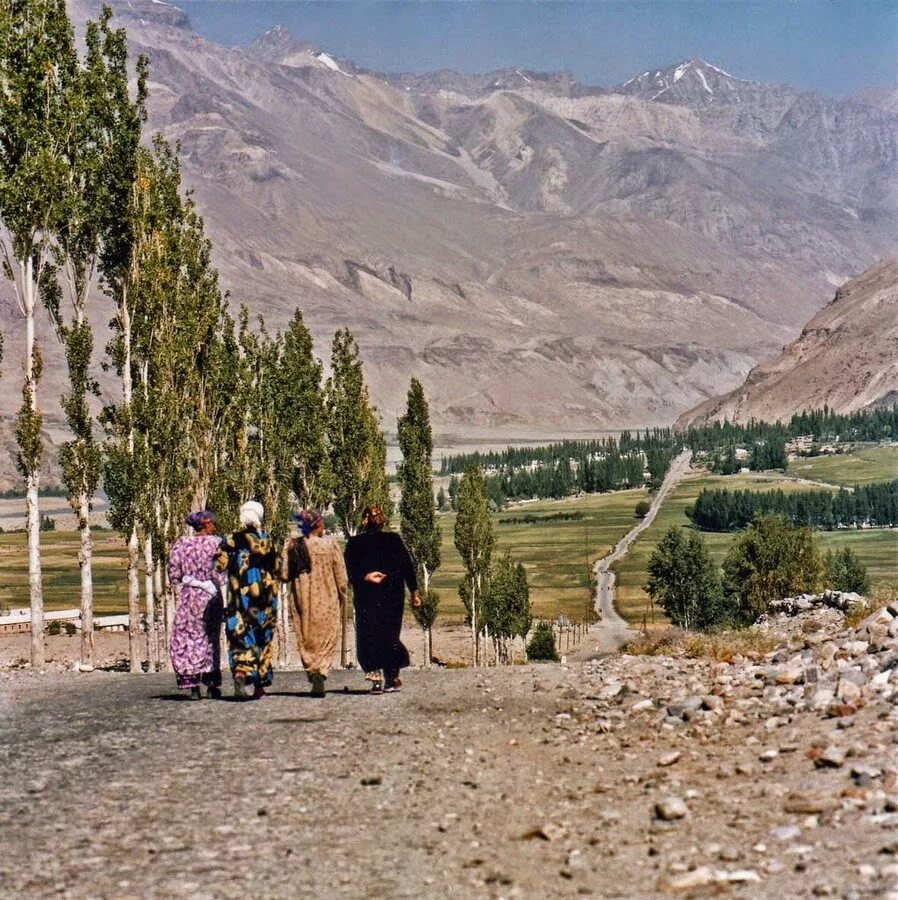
862	466
61	578
878	549
556	555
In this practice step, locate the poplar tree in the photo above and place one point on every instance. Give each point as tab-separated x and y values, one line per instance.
417	515
506	604
78	233
126	185
474	541
356	444
297	385
38	67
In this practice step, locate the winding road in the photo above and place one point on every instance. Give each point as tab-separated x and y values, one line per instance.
612	631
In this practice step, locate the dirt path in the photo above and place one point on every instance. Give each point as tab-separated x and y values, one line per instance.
612	631
518	782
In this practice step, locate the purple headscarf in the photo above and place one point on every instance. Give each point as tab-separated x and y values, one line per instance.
308	520
199	517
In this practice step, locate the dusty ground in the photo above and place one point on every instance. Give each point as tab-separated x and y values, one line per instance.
530	781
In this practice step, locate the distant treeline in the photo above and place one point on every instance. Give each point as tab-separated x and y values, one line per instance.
592	466
19	492
820	425
532	519
871	504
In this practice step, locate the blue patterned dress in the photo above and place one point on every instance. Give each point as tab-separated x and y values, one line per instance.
251	611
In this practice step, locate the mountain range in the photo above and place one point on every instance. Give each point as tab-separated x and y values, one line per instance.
846	357
546	256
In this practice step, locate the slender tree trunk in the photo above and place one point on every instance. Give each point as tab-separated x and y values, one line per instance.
85	562
428	646
161	588
32	481
281	627
134	602
168	621
133	546
150	591
34	574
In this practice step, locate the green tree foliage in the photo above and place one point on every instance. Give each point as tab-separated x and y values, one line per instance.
303	414
506	604
38	73
474	541
868	504
416	507
845	572
642	509
541	647
355	441
770	560
684	581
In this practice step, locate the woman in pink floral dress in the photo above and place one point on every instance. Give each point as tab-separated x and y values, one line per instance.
195	647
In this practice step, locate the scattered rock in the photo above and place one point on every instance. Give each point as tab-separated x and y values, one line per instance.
669	758
668	809
831	757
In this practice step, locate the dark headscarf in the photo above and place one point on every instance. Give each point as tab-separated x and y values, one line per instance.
308	520
373	518
197	518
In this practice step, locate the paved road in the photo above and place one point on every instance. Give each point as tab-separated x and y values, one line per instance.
613	631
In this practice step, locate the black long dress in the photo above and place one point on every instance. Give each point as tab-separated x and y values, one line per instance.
379	607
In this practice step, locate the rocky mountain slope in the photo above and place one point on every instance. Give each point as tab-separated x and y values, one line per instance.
846	356
545	256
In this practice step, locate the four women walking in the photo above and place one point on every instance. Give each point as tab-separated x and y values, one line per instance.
313	566
380	567
249	559
377	564
195	647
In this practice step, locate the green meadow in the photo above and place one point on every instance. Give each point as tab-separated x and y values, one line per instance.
877	548
557	555
862	466
61	577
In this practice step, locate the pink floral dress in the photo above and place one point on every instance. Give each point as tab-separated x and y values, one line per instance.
195	639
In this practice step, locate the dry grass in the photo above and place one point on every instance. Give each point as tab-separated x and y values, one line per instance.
722	646
882	596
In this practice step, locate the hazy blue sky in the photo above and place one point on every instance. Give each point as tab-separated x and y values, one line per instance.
835	46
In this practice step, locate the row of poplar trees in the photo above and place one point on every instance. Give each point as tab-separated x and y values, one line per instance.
209	410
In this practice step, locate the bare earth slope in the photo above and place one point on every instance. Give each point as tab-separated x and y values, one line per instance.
847	357
539	253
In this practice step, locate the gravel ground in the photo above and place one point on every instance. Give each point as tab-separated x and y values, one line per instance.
528	781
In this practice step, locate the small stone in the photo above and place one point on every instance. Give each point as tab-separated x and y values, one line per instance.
669	758
739	876
712	703
687	881
768	755
831	757
669	809
848	691
803	803
642	705
863	775
785	832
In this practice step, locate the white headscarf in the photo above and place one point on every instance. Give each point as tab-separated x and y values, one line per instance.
251	514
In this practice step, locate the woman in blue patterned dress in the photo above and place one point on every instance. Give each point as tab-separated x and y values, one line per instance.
250	561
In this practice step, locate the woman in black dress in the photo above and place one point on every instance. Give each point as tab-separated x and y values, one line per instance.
379	568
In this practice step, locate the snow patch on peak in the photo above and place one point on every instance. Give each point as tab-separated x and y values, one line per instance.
703	80
331	63
681	70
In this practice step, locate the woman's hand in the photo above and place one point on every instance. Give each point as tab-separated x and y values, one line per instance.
416	600
375	577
